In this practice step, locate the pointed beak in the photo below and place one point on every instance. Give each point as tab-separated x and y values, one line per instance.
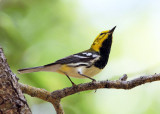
112	30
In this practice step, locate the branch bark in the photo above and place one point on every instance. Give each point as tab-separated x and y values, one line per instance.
42	94
56	96
117	84
12	101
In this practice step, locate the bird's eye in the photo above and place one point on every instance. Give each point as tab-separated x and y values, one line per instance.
101	34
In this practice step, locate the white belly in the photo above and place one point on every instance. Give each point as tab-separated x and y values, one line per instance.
73	72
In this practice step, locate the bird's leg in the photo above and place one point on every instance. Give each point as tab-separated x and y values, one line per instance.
93	80
73	84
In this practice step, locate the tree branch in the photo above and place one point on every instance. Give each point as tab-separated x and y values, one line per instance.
118	84
57	95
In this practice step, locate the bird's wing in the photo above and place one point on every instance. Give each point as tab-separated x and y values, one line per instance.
82	58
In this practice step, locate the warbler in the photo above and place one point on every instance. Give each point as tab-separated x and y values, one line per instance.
85	64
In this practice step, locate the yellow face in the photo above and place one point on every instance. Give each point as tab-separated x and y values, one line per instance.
97	44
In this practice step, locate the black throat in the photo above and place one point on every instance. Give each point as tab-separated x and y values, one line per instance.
104	53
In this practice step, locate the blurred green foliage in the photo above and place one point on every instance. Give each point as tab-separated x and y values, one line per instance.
38	32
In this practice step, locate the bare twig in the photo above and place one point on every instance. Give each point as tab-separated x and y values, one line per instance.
118	84
123	78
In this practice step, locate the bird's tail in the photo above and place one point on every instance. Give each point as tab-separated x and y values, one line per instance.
49	68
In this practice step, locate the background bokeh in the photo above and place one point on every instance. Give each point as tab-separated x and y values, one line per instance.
38	32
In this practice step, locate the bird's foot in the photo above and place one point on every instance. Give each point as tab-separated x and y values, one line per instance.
73	84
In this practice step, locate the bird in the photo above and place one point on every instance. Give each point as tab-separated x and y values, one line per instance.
85	64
